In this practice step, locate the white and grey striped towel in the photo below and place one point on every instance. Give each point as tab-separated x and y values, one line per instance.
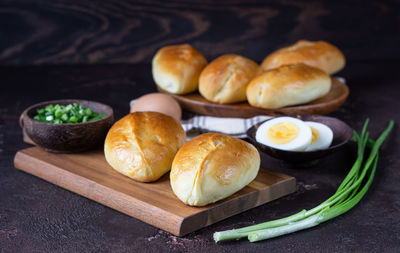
199	124
236	127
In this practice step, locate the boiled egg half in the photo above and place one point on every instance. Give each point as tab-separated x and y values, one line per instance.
322	136
291	134
285	133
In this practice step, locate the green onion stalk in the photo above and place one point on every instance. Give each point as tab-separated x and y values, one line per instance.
348	194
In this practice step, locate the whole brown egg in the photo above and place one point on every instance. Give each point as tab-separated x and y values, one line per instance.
158	102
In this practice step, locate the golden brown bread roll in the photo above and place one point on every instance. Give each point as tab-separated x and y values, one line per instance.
142	145
320	54
212	167
224	80
288	85
176	69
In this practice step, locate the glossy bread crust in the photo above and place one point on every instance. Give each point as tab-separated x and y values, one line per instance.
288	85
212	167
142	145
225	79
320	54
176	68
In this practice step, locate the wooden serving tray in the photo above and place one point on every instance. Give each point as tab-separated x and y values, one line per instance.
89	175
196	103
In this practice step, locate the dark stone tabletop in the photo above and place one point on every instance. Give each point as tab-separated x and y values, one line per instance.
81	49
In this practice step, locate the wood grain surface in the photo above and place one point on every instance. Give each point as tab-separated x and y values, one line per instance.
89	175
126	31
194	102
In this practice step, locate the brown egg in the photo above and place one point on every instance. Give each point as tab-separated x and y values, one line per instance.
158	102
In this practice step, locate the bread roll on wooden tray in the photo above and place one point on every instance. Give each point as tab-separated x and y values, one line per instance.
176	68
212	167
320	54
225	79
142	145
288	85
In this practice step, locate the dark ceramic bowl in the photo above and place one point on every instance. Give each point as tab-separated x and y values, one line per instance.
67	137
342	133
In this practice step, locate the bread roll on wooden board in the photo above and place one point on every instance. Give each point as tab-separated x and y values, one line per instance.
142	145
288	85
225	79
176	68
320	54
212	167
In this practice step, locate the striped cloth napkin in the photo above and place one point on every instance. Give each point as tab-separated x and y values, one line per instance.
236	127
199	124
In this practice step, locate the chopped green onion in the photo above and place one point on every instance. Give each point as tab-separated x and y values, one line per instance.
64	117
73	119
58	113
98	116
72	113
88	112
348	194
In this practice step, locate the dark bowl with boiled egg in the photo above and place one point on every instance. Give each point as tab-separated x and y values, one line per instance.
300	138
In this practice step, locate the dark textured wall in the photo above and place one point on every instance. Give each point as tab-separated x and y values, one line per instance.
82	31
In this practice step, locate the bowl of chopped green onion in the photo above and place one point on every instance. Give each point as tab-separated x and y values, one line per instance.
67	126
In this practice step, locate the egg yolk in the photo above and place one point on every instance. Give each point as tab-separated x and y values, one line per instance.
315	135
282	133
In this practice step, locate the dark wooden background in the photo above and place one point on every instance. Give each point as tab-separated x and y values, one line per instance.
82	31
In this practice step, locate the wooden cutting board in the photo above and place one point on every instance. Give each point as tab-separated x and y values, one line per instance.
89	175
